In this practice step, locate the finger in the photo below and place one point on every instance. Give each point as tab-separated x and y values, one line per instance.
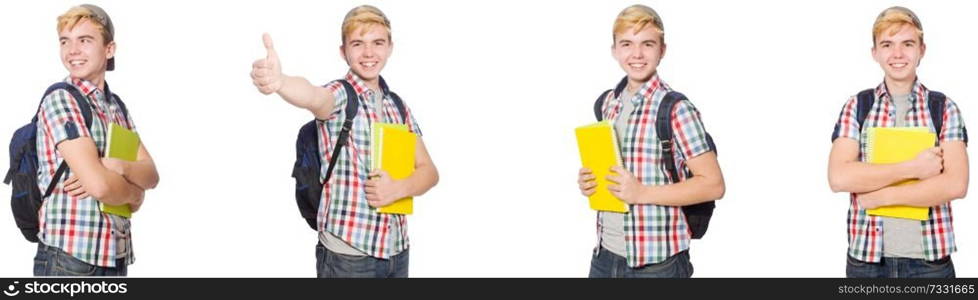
614	188
584	171
589	192
372	183
77	193
259	64
267	40
614	178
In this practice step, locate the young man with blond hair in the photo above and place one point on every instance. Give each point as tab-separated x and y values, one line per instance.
76	237
652	239
896	247
355	240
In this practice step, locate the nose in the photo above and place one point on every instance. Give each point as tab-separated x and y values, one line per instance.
637	53
72	47
369	50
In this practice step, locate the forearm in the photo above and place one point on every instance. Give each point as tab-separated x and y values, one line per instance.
925	193
860	177
142	174
115	189
423	179
694	190
301	93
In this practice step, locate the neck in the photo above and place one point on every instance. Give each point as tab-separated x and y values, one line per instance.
633	85
98	81
898	87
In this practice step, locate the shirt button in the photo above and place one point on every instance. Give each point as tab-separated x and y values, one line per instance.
878	229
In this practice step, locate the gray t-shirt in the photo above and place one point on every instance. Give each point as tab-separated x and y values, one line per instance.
613	223
902	237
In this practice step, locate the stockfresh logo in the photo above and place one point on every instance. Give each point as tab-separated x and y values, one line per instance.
12	290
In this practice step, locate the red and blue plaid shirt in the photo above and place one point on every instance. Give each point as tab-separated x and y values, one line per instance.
344	211
653	233
76	225
866	231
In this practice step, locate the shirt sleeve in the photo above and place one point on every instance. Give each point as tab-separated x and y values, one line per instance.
953	129
61	118
846	126
688	130
339	99
412	123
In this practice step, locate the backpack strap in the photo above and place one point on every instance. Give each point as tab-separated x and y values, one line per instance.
864	103
397	99
352	106
598	113
86	111
663	130
935	103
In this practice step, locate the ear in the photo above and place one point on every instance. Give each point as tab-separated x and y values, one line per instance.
343	53
662	53
110	50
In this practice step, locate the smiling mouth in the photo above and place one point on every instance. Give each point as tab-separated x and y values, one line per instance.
76	62
898	65
368	64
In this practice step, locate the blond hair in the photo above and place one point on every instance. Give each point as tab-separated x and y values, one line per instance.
638	17
363	17
894	18
75	15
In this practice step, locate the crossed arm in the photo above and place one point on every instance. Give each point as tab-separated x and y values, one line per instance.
110	181
942	171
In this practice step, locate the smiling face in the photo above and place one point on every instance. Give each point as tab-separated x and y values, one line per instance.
366	51
639	53
899	52
84	52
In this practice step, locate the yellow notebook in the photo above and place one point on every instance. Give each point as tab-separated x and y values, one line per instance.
599	152
393	151
894	145
122	144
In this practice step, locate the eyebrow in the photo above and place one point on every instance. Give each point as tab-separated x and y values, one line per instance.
642	42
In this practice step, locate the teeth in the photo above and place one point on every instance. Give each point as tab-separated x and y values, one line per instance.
368	64
899	65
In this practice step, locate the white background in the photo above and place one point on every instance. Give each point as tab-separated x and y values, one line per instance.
498	87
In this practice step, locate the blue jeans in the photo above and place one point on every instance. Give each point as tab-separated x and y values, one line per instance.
606	264
896	267
51	261
330	264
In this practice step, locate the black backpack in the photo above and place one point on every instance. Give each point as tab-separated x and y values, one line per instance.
26	199
308	183
935	103
697	215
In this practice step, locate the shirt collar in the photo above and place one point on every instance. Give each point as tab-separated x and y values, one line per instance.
89	89
645	91
918	91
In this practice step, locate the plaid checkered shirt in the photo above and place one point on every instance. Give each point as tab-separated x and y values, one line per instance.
653	233
344	211
76	225
866	231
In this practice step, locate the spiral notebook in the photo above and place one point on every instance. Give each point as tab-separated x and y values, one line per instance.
895	145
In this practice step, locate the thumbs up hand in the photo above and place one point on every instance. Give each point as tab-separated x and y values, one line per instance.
266	73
